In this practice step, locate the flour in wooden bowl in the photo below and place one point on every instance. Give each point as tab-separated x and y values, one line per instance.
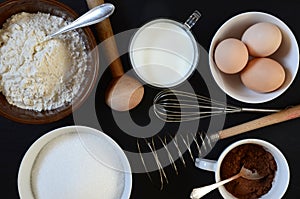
37	73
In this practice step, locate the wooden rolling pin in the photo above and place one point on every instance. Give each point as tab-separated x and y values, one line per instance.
123	92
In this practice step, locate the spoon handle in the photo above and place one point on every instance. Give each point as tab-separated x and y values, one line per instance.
106	36
93	16
202	191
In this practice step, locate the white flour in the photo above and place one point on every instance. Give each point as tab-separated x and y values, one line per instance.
68	168
36	73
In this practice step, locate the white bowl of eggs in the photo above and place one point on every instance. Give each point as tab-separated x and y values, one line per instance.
254	57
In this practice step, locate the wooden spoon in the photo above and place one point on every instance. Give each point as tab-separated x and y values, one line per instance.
124	92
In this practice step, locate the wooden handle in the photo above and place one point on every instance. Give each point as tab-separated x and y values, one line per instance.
284	115
105	32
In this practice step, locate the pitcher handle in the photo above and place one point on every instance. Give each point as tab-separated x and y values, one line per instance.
190	22
205	164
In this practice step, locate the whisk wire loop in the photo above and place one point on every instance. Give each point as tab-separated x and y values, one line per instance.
179	106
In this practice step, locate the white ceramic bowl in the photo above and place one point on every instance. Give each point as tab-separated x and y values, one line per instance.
282	176
287	55
75	162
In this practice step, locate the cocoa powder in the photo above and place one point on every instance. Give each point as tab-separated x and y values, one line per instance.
253	157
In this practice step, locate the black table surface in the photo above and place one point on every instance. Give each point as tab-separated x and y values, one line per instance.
16	138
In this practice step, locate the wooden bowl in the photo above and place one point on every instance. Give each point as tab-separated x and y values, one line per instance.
11	7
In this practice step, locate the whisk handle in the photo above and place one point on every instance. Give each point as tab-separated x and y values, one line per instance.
262	110
274	118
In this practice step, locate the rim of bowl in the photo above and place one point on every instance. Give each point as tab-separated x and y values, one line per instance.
265	145
24	173
34	117
213	67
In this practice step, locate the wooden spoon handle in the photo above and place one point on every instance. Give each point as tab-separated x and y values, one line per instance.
105	32
284	115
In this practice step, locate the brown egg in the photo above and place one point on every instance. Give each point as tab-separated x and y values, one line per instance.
263	75
231	55
262	39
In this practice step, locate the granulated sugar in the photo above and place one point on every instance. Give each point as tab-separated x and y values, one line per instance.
68	168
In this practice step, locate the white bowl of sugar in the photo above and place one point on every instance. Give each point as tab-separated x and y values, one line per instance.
75	162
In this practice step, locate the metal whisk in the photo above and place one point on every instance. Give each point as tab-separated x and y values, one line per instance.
201	143
179	106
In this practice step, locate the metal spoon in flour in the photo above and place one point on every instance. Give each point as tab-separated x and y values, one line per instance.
93	16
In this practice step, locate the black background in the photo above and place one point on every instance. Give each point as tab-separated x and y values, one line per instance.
16	138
